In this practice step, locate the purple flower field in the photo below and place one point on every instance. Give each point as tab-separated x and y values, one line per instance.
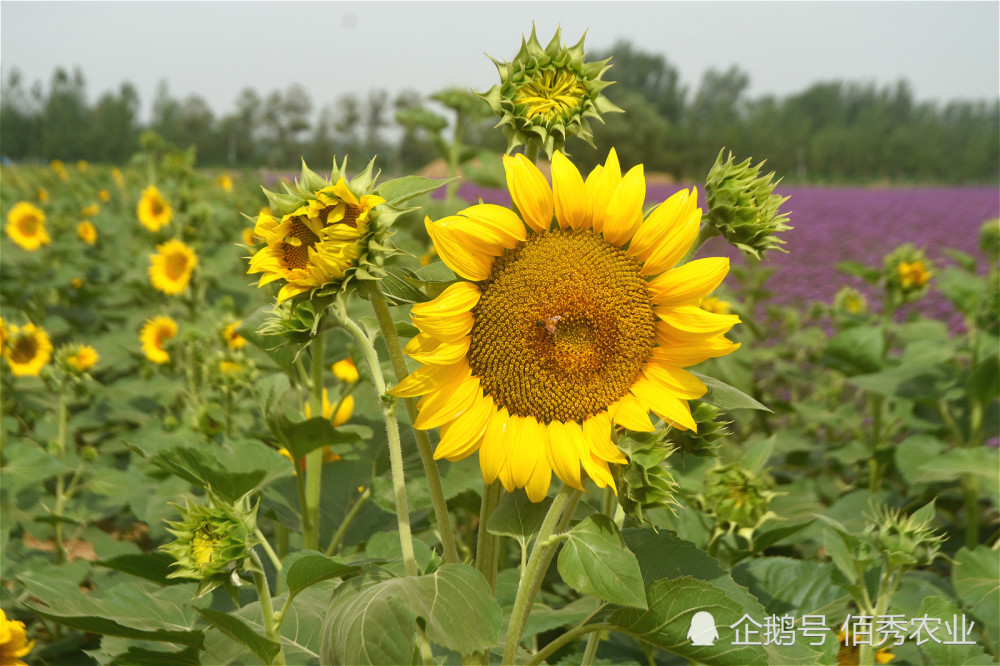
851	223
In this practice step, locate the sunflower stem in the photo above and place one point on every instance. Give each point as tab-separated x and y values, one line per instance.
538	563
271	623
488	545
531	151
314	459
338	537
388	405
400	372
567	638
57	527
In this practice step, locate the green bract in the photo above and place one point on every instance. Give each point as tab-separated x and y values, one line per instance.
213	542
737	499
902	540
547	95
742	206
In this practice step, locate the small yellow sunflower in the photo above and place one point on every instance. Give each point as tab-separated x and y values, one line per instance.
4	334
155	333
317	243
225	181
233	339
90	211
26	226
14	642
43	195
118	177
59	168
171	267
343	412
153	211
104	195
87	232
913	275
76	282
345	371
28	350
82	358
562	332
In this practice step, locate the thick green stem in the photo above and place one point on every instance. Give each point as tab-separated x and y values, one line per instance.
538	564
314	459
970	490
57	527
488	545
888	582
388	330
338	537
388	405
531	152
272	623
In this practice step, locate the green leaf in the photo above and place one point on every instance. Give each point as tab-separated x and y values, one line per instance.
984	384
789	587
397	287
437	271
672	606
913	452
152	566
309	435
865	272
311	569
913	381
137	656
977	585
517	516
935	652
235	628
595	561
727	397
399	191
230	472
951	465
274	346
375	623
963	289
755	458
855	350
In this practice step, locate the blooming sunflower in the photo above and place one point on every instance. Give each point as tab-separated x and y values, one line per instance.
344	410
14	642
104	195
318	241
81	358
561	332
171	267
155	332
87	232
28	350
153	211
26	226
232	337
90	211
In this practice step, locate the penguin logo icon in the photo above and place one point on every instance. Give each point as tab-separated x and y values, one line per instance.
703	631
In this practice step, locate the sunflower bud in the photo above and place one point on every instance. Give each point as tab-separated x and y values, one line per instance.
742	206
645	482
901	540
76	359
546	95
737	499
989	239
907	273
213	542
704	441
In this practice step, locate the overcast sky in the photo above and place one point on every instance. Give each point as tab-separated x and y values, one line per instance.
946	50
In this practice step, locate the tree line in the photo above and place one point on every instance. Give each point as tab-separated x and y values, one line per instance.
831	132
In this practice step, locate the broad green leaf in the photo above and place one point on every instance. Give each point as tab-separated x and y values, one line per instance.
303	437
672	606
964	290
727	397
543	618
27	466
137	656
437	271
913	452
913	381
594	560
274	346
386	546
231	471
864	271
855	350
937	651
153	566
789	587
518	517
397	287
311	569
398	191
984	384
976	576
755	458
952	465
235	628
375	623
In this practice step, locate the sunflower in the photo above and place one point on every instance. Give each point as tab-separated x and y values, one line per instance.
225	181
26	226
104	195
562	332
28	350
171	267
315	244
82	358
152	210
345	407
4	334
345	370
87	232
14	642
155	332
232	337
90	211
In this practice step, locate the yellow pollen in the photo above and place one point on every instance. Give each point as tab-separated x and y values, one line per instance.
563	326
551	93
297	245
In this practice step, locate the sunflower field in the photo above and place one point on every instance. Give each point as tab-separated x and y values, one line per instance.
346	418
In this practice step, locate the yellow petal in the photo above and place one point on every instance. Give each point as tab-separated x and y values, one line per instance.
493	450
463	436
457	298
686	322
680	382
477	236
685	353
672	248
290	290
501	220
630	413
430	350
529	191
624	214
572	205
566	447
665	221
688	284
428	378
446	328
538	485
662	402
597	431
526	445
446	404
468	263
601	184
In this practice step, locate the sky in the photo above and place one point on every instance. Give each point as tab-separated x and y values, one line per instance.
945	50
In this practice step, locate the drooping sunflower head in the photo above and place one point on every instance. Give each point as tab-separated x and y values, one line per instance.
154	335
87	232
563	330
77	358
322	233
153	210
546	95
28	349
26	226
171	267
